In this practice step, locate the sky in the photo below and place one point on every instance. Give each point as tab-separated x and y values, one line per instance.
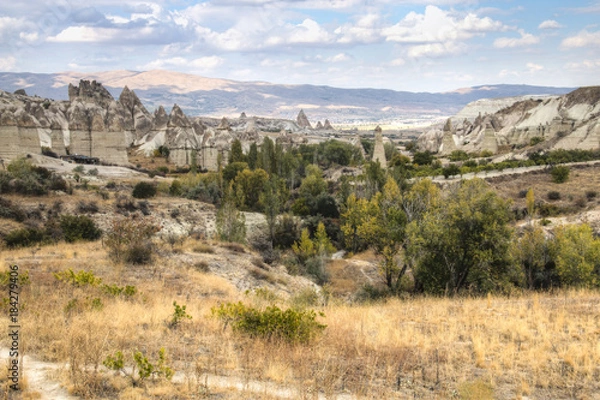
413	45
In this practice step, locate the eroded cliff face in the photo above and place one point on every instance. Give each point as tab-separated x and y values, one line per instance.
571	121
93	123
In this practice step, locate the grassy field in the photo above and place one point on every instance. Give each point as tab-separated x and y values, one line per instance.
541	346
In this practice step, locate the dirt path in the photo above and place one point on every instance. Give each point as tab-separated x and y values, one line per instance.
41	377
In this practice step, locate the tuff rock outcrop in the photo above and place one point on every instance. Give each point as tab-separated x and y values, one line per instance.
571	121
379	150
302	120
93	123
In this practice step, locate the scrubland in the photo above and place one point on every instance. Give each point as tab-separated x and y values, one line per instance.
542	346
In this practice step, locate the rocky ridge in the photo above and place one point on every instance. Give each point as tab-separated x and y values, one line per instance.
93	123
571	121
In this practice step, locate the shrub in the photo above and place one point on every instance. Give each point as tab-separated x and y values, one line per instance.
129	239
179	314
114	290
163	170
591	194
24	237
144	190
553	195
450	170
87	207
291	325
79	279
202	266
458	155
11	211
79	227
144	368
139	254
535	140
560	174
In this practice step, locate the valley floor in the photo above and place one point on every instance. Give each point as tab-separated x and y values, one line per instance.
536	346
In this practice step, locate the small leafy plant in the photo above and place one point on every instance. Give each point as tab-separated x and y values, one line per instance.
142	367
179	314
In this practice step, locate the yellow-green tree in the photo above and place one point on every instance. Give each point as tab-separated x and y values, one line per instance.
577	255
532	252
379	223
463	244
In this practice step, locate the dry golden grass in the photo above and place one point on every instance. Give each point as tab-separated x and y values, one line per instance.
581	181
538	345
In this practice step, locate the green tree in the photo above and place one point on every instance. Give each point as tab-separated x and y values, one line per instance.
248	186
267	158
464	244
236	154
532	252
374	178
356	213
530	200
380	224
253	156
271	203
231	224
305	248
230	171
423	158
577	255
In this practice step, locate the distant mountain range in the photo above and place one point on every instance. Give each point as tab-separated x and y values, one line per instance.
200	96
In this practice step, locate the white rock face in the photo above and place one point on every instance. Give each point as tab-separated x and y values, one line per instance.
571	121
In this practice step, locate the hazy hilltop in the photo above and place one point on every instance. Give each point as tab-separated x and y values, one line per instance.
198	95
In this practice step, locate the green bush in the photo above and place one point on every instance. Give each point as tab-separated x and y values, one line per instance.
179	314
25	237
560	174
291	325
144	190
11	211
143	368
114	290
79	227
80	279
458	155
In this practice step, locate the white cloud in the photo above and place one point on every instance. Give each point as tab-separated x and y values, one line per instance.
8	63
85	34
397	62
583	39
437	25
526	39
550	24
367	29
534	67
341	57
584	65
309	31
202	63
437	49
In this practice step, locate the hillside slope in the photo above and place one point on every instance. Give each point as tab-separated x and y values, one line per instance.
198	95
